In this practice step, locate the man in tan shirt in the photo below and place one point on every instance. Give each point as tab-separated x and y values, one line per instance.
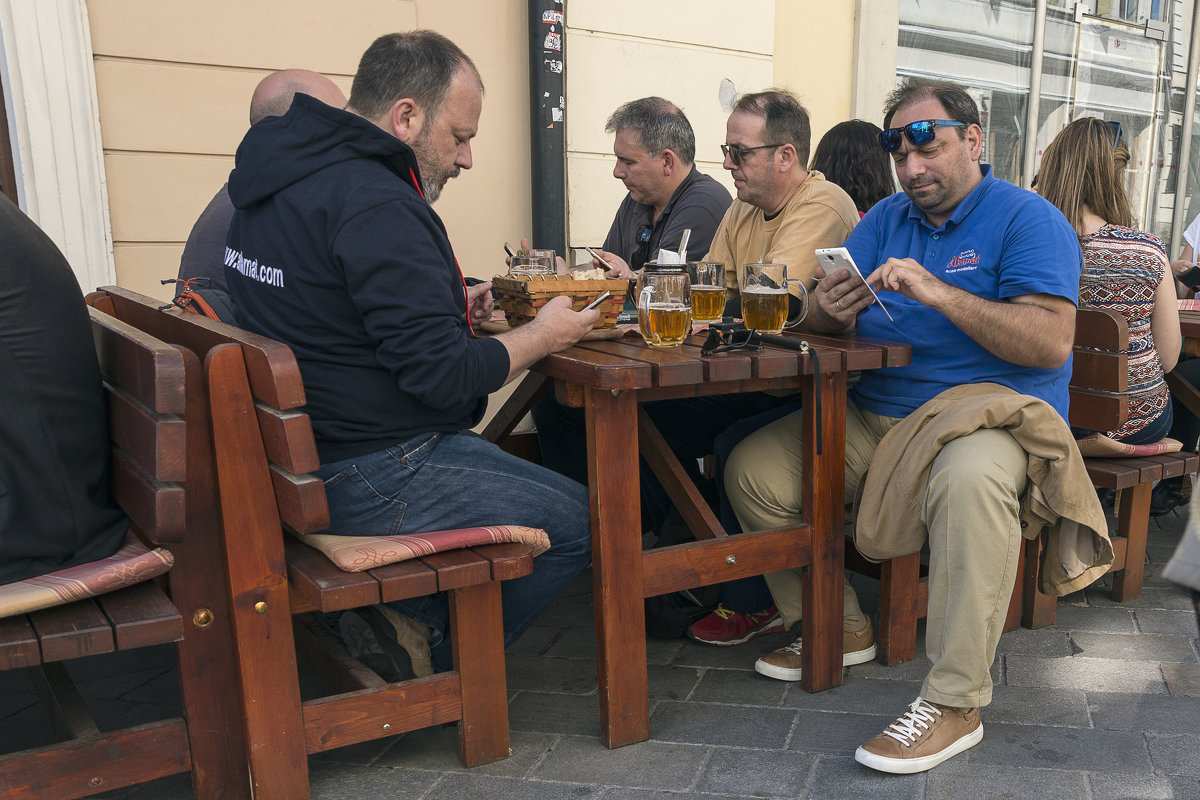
783	211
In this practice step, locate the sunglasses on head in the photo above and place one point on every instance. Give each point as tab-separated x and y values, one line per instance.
917	133
735	153
1116	127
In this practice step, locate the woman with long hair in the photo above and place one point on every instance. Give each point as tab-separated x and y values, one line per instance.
849	156
1123	268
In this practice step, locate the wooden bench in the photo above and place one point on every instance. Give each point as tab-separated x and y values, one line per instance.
264	451
1099	401
152	457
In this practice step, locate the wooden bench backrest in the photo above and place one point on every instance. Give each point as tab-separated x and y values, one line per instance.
144	380
250	389
1100	372
275	382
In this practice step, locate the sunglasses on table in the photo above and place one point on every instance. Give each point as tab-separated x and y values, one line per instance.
735	153
917	133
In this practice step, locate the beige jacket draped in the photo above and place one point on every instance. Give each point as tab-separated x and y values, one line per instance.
1059	496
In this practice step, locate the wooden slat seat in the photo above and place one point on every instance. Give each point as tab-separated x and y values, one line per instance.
265	454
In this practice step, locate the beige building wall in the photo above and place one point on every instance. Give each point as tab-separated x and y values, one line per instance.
839	57
174	82
617	51
813	47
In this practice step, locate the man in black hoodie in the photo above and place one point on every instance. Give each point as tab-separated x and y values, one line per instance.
335	250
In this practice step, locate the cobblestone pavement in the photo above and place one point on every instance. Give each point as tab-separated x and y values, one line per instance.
1105	704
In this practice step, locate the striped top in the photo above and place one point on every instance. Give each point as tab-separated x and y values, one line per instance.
1122	270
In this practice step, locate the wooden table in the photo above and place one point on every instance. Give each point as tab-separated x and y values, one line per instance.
609	379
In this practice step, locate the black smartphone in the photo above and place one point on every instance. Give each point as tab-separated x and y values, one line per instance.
1190	278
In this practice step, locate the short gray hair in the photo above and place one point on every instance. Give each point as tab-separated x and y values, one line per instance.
658	124
416	64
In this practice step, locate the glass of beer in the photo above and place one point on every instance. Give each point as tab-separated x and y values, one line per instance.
665	308
764	292
532	262
708	290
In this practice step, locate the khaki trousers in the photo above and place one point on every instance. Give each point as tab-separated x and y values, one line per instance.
970	512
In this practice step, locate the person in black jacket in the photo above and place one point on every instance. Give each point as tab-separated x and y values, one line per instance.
55	507
335	250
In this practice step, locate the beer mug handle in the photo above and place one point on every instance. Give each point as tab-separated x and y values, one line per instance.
803	298
643	308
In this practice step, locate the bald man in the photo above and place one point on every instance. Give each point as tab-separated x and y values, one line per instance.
204	254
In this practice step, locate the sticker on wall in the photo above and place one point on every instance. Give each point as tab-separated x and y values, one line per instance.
556	114
727	95
553	42
552	65
553	17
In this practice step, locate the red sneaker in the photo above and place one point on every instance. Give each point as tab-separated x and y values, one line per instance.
724	627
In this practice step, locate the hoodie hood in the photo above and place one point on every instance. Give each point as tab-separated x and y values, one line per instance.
280	151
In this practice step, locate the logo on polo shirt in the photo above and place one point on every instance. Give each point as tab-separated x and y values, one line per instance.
963	262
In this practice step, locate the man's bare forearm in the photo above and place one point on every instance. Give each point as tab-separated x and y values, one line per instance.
1030	330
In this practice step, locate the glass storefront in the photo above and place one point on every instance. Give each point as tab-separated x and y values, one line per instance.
1121	60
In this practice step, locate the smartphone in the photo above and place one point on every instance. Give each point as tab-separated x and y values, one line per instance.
1190	277
832	258
597	301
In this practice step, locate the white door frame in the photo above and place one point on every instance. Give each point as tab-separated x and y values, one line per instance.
54	120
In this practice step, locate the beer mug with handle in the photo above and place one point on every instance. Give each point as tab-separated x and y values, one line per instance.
664	308
764	293
531	262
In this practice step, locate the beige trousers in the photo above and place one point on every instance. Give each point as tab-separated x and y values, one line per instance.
970	511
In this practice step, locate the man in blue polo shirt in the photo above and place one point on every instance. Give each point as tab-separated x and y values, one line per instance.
982	278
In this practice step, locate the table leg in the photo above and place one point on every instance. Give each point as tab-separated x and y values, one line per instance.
823	502
617	566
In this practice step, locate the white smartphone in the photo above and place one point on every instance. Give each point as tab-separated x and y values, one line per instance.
832	258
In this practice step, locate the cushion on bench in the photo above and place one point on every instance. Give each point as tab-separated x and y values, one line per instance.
133	563
1100	446
358	553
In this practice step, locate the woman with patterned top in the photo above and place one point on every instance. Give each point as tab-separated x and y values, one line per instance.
1123	268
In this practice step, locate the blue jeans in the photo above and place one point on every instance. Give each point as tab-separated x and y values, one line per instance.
441	481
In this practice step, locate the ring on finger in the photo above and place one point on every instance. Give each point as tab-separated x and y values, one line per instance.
838	303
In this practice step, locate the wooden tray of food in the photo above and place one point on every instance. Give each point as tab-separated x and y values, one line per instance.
521	297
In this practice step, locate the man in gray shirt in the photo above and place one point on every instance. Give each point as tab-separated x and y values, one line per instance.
655	147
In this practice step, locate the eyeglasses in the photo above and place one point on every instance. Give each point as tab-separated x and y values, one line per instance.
735	153
918	133
1116	126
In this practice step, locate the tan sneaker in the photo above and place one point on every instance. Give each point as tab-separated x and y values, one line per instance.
414	637
784	663
924	736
